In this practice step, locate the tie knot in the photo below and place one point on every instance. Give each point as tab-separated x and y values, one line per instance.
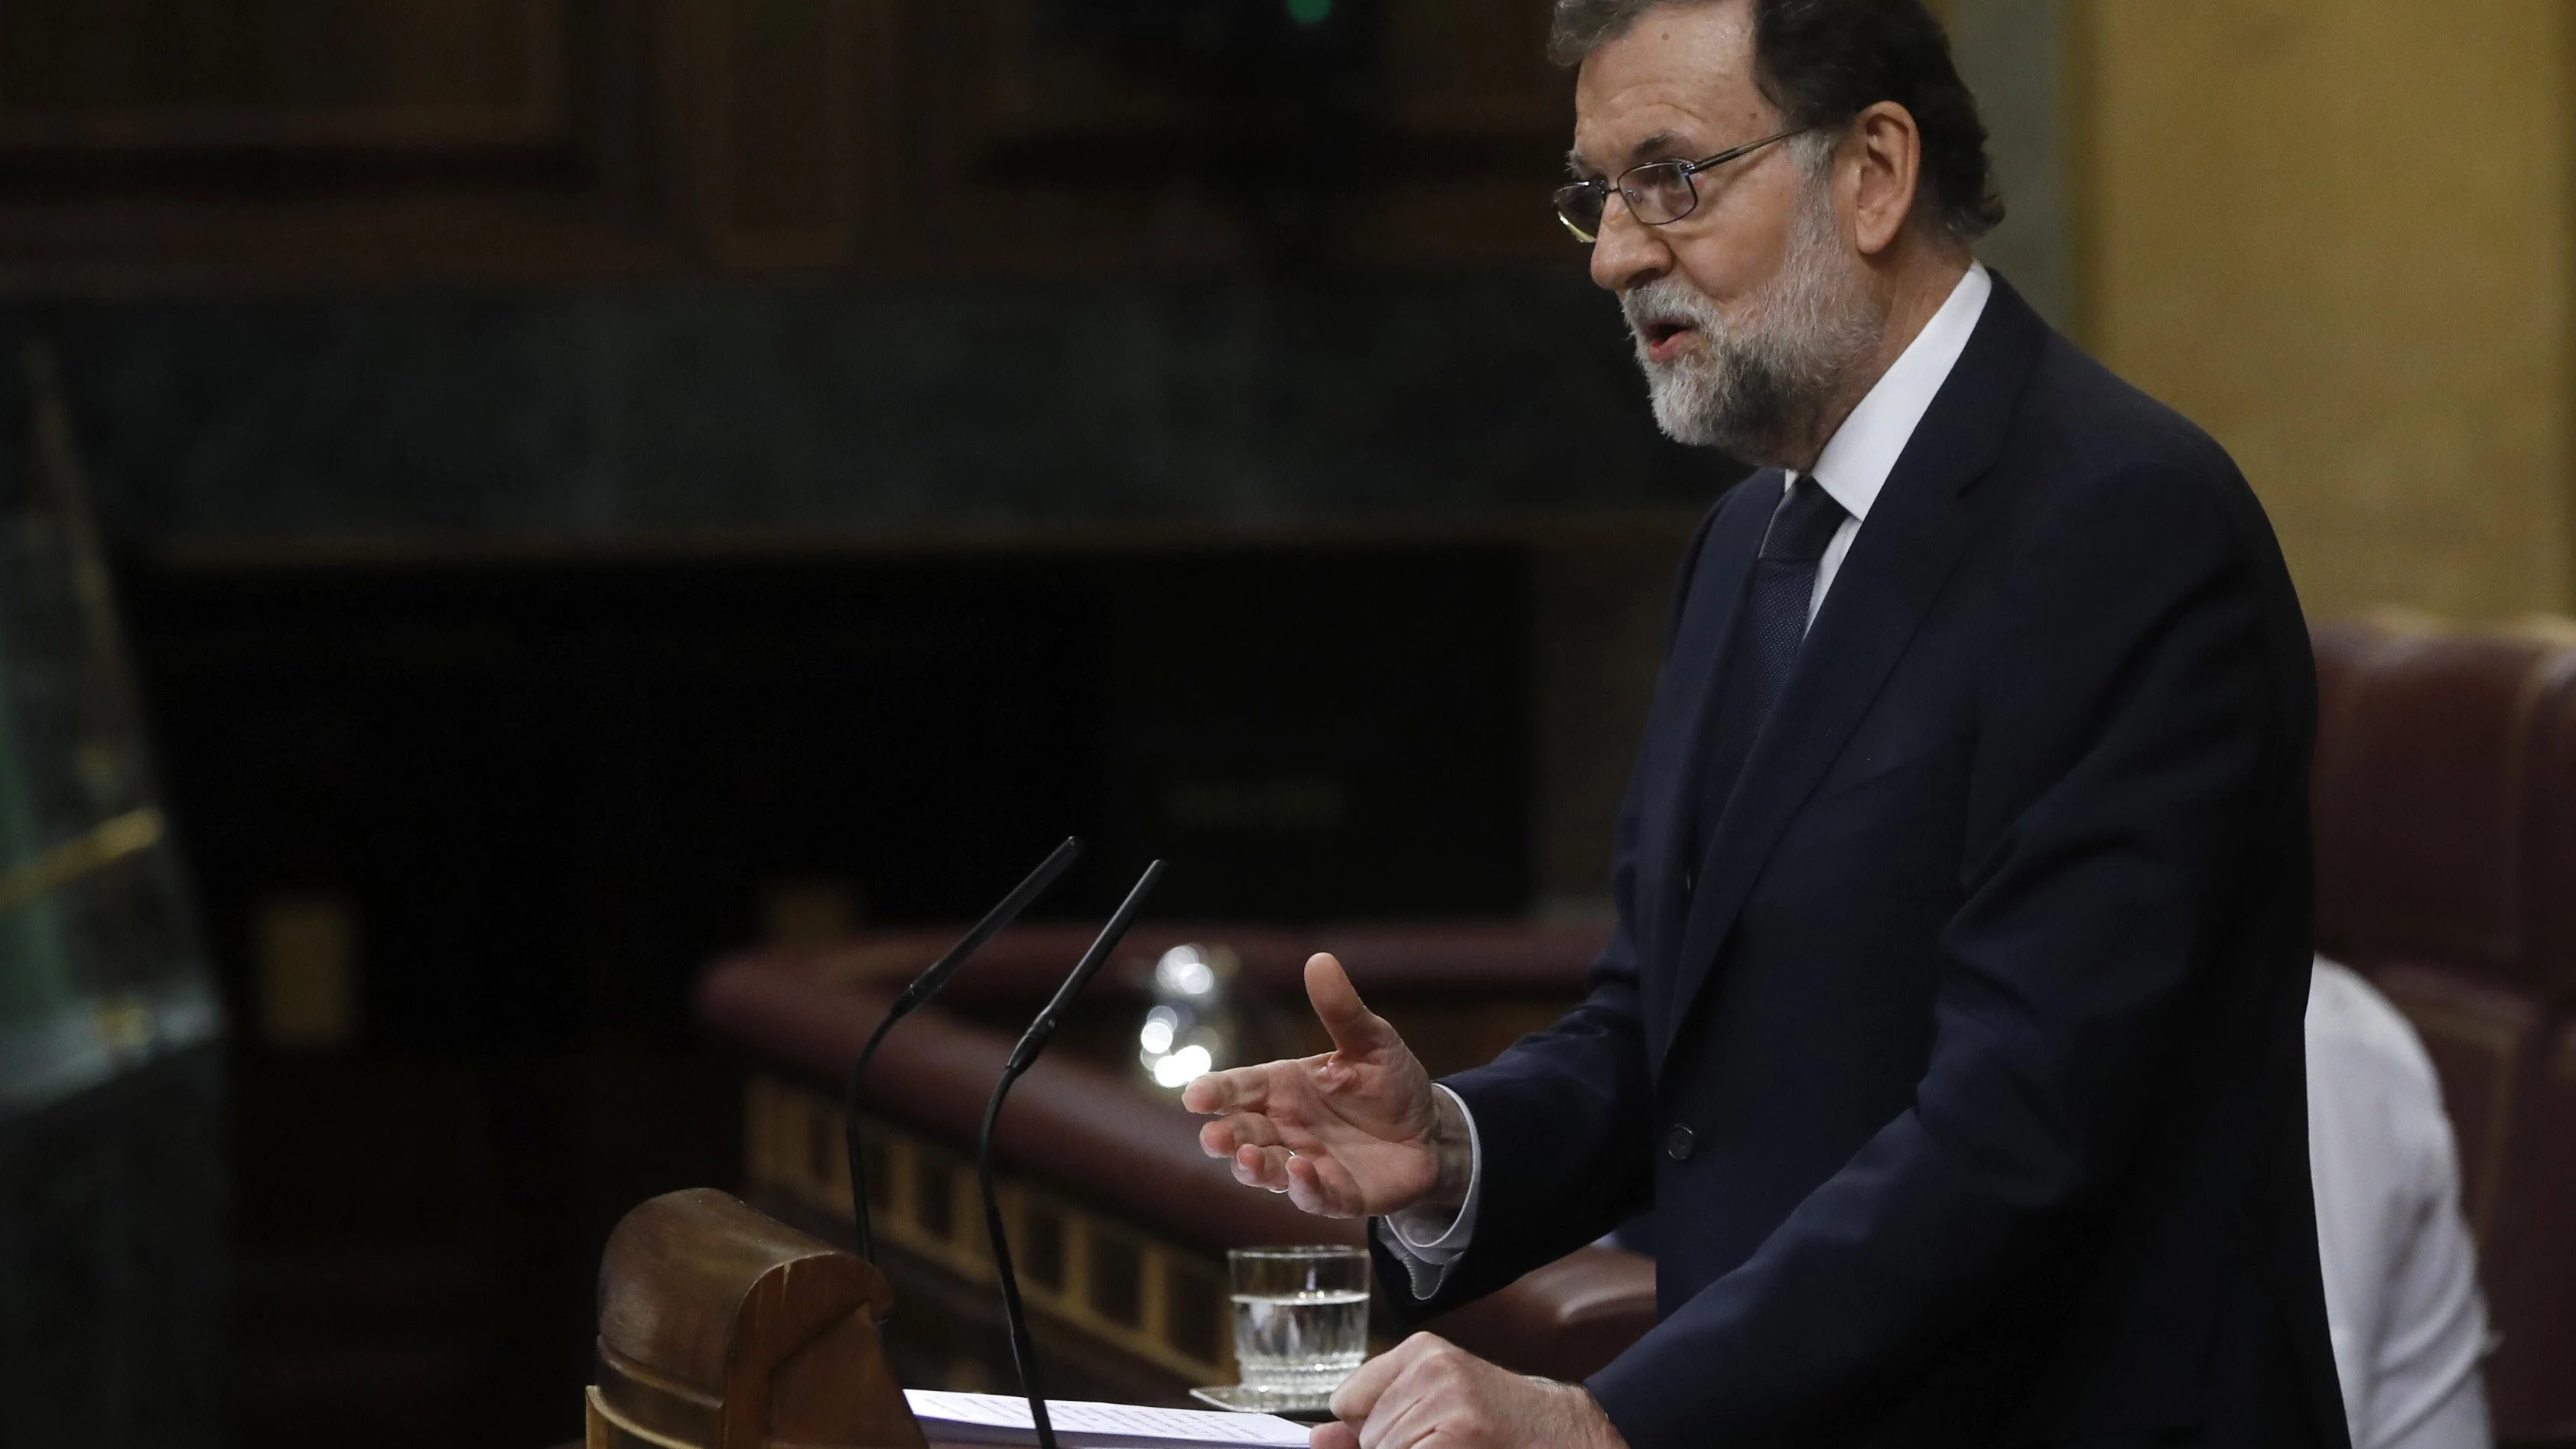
1803	524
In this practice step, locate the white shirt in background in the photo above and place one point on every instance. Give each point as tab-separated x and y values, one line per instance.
2402	1301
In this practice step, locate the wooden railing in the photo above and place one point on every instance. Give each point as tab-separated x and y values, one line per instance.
1157	1300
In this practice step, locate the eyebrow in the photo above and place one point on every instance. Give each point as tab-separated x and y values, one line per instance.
1661	146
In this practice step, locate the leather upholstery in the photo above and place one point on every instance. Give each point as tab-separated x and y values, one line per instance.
2551	899
2420	806
2446	854
2530	1261
2422	831
2530	1249
1025	963
2341	650
1565	1321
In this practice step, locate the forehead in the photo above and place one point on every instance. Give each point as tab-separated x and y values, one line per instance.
1679	82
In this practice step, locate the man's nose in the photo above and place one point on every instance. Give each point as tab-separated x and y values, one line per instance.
1626	252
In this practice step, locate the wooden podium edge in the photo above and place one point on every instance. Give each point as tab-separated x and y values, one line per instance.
603	1429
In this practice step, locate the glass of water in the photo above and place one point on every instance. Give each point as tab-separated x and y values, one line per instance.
1300	1318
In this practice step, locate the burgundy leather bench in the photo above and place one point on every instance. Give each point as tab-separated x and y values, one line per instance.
2446	851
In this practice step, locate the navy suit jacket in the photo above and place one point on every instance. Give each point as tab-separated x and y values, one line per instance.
1961	1063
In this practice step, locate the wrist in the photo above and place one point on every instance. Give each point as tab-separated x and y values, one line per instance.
1594	1421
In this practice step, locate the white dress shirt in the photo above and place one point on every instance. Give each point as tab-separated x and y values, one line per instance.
1853	467
2402	1301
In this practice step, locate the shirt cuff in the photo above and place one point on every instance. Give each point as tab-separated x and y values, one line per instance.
1428	1239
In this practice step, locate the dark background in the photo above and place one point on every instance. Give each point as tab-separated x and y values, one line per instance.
594	487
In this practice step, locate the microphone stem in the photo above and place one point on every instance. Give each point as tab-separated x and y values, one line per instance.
1042	1030
1023	1353
850	1133
924	987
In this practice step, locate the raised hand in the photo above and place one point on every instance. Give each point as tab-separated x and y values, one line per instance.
1355	1132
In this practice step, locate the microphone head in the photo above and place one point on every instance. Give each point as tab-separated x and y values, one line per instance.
929	983
1089	966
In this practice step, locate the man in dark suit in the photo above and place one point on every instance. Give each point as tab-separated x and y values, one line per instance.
1951	1026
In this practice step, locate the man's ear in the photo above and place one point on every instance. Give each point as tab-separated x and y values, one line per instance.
1882	168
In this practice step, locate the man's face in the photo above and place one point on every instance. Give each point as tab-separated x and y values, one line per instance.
1748	312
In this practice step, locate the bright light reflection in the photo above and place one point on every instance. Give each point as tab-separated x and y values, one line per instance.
1160	1024
1184	971
1183	1067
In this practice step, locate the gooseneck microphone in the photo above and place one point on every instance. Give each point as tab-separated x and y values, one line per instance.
1042	1030
924	987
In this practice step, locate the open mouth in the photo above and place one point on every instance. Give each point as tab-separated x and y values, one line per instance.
1665	337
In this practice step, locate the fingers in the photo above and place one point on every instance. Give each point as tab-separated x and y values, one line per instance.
1225	1136
1333	1436
1429	1391
1260	1159
1243	1089
1316	1184
1321	1186
1263	1167
1358	1395
1353	1027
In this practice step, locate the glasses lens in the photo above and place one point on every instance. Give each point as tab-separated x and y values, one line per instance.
1579	207
1659	193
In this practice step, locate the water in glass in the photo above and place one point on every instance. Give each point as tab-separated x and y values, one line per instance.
1301	1345
1300	1318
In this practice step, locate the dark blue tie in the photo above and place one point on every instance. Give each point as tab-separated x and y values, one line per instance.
1773	625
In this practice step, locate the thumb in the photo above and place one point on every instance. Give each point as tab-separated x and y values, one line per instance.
1354	1028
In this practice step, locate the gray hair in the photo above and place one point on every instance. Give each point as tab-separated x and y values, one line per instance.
1823	62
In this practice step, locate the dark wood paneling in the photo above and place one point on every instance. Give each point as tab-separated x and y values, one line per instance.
167	144
1037	149
778	129
214	143
155	75
1474	69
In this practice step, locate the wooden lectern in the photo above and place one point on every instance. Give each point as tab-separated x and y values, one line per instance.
720	1328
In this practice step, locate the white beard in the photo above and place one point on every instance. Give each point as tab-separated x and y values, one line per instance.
1756	390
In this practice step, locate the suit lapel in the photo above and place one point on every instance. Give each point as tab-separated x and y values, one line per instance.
1905	552
1666	834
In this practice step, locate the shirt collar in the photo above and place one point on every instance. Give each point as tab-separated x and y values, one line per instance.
1864	450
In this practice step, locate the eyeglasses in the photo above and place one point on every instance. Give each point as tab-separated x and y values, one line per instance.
1658	193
